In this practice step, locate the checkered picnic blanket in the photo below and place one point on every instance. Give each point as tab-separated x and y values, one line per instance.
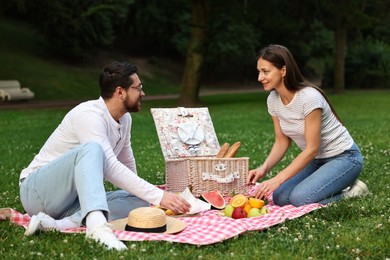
207	228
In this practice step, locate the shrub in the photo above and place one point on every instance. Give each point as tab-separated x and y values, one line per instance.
74	28
368	65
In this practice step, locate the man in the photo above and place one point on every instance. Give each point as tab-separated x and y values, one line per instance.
63	187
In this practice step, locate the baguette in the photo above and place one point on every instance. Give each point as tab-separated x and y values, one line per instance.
223	150
232	150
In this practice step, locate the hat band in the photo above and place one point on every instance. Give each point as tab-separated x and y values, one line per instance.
161	229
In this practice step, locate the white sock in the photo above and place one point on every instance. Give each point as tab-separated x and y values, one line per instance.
95	219
66	223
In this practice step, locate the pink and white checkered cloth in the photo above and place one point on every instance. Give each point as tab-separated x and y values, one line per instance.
206	228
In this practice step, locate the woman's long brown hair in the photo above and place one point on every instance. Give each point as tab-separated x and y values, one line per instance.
280	56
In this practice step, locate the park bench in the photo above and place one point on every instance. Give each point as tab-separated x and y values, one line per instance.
10	90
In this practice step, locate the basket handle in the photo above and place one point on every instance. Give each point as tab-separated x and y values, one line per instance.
214	177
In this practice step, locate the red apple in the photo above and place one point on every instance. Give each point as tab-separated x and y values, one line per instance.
238	213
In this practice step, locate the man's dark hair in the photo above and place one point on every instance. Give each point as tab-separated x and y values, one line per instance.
114	75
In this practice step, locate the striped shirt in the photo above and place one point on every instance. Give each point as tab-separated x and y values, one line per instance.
335	138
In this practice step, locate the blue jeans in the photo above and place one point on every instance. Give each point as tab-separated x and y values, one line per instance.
73	185
322	180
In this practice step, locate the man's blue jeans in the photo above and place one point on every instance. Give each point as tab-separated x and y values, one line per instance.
322	180
73	185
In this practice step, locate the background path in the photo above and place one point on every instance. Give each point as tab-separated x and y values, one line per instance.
29	104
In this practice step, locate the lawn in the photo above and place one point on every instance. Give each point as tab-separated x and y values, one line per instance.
24	56
357	228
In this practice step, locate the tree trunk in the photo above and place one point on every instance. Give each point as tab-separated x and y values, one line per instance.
189	95
341	40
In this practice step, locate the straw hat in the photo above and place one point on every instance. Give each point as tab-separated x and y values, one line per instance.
149	219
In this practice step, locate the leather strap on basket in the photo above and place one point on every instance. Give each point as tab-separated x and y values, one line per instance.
214	177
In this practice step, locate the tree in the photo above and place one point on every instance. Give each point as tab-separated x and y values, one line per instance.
347	15
195	54
154	28
341	42
75	28
223	36
217	39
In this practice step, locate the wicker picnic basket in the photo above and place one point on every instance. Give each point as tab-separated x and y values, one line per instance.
189	145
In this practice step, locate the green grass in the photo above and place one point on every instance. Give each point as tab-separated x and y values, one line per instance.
25	56
357	228
352	229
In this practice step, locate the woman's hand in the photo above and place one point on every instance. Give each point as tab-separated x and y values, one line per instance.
265	188
256	174
175	203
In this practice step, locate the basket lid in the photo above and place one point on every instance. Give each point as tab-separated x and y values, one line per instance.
185	132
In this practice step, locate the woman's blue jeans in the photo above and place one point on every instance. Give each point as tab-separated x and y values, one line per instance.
73	185
322	180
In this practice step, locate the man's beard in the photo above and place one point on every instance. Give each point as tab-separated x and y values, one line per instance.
131	107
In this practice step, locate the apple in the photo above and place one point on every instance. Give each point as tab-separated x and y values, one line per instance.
238	213
254	212
228	211
264	210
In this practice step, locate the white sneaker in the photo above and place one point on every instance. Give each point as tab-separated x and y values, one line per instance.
357	189
40	222
104	235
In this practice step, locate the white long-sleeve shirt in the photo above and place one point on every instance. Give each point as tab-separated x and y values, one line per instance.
92	122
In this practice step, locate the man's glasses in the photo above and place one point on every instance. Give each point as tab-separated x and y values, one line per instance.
139	88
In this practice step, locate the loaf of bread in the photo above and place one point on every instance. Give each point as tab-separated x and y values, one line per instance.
232	150
223	150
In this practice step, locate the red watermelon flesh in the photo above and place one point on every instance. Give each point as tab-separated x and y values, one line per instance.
215	199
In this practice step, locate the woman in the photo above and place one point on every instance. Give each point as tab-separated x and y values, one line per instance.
330	162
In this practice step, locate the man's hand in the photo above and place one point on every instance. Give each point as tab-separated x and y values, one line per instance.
175	203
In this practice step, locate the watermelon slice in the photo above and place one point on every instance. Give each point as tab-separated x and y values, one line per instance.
214	198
